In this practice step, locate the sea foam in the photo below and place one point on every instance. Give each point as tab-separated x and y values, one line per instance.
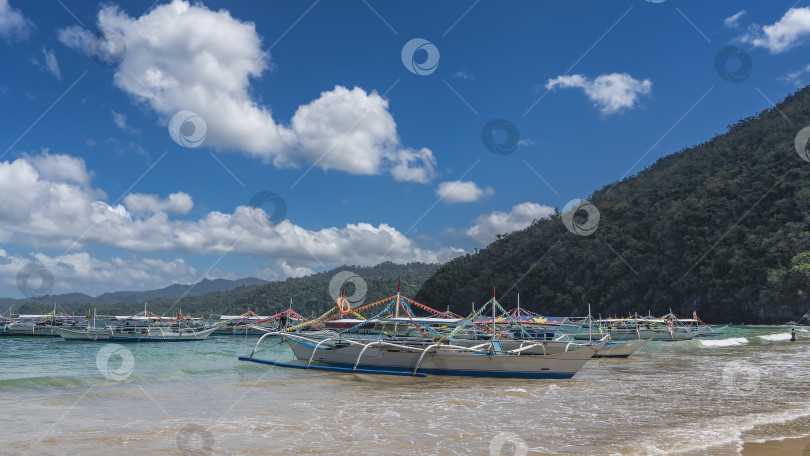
779	336
730	342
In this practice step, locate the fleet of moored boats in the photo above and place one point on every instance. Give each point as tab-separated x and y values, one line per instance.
490	342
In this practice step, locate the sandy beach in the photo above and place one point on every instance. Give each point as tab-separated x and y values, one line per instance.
175	398
799	446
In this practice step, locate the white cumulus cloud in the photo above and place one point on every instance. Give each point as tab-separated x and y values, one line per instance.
290	271
81	272
59	168
176	203
488	226
13	25
187	57
788	32
48	202
611	93
462	192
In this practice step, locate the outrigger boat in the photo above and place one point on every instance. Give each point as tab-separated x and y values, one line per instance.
696	324
139	334
250	324
484	360
631	328
532	327
4	322
442	355
144	327
241	325
40	325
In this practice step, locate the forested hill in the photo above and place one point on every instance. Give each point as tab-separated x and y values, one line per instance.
309	294
720	228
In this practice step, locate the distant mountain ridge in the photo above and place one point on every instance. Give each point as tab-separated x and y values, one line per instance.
308	295
174	291
178	290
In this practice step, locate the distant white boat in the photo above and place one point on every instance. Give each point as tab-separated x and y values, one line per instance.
620	329
40	325
138	334
250	324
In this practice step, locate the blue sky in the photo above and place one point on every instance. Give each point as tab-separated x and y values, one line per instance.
314	102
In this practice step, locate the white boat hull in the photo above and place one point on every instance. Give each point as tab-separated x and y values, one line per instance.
30	330
240	330
440	360
156	334
620	350
609	350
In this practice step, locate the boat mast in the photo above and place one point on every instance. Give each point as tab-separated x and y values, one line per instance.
396	307
287	318
493	313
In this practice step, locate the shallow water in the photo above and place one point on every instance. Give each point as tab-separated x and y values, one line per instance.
701	397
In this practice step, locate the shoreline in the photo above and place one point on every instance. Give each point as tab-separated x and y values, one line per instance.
791	446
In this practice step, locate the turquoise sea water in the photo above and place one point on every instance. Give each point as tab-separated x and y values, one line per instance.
701	397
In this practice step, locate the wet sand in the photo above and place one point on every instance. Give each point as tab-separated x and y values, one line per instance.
791	447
